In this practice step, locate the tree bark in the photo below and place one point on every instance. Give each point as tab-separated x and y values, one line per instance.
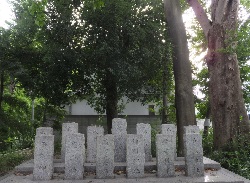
184	100
227	105
164	94
111	100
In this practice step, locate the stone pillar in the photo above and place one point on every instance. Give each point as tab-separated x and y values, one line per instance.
119	130
135	156
74	156
170	129
105	157
165	155
67	128
145	130
92	133
44	131
191	129
193	152
43	157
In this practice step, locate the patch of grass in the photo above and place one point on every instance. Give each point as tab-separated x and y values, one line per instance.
10	159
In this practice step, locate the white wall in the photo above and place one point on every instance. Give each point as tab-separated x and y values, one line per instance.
131	108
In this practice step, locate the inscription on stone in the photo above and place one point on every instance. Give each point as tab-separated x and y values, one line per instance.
74	156
105	157
92	133
145	130
135	156
119	130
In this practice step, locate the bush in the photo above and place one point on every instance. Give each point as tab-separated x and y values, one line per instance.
10	159
235	156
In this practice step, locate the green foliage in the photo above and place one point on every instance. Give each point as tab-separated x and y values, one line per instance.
235	156
155	129
10	159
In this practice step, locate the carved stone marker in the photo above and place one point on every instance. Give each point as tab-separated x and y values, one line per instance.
105	157
92	133
135	156
145	130
170	129
191	129
74	156
119	130
67	128
44	131
43	157
165	155
193	151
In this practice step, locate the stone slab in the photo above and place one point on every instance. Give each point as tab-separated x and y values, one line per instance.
105	157
92	133
67	128
74	156
43	157
44	131
119	130
145	130
220	176
135	156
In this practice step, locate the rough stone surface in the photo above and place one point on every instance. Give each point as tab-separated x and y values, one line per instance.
193	152
135	156
105	157
170	129
119	130
43	157
191	129
67	128
165	155
145	130
74	156
44	131
92	133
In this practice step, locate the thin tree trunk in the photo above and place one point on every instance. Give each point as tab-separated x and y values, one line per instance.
184	100
164	94
111	100
225	93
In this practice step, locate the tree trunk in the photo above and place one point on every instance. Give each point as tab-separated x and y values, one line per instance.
227	105
111	100
164	94
184	100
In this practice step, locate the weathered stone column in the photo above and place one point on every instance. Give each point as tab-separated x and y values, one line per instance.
165	155
119	130
67	128
135	156
43	157
105	157
92	133
193	152
145	130
74	156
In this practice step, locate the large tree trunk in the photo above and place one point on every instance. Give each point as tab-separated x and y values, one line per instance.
111	100
227	105
184	100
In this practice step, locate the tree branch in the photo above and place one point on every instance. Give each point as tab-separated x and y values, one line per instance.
200	15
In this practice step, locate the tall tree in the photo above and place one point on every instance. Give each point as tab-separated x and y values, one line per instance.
184	99
226	100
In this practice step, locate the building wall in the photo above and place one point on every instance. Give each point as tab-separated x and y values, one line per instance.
131	108
87	120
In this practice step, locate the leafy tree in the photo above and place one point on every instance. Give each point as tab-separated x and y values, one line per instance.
227	105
